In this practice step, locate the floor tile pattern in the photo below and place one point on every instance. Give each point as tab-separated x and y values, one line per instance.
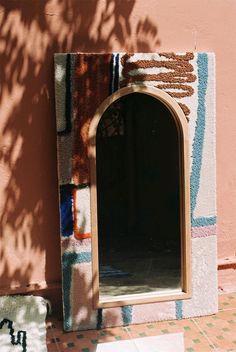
212	333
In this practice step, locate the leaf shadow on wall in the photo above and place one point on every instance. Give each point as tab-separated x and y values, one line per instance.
31	33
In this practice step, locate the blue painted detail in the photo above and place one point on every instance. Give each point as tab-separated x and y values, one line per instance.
69	259
179	309
116	79
127	314
66	214
202	62
99	319
204	221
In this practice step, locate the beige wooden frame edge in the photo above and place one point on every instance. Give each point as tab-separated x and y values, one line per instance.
182	128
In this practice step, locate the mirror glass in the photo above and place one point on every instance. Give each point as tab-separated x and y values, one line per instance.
138	198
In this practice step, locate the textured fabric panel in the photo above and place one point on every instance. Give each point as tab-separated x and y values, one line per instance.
91	87
22	323
64	116
60	90
189	79
66	215
84	317
64	150
200	143
82	210
206	199
153	312
168	71
69	259
204	278
71	244
204	231
112	317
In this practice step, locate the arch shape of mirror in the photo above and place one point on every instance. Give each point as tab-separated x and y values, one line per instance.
138	150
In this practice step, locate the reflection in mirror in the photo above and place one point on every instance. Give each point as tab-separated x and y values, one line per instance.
138	198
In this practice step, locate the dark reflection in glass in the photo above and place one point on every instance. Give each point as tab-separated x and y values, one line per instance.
138	196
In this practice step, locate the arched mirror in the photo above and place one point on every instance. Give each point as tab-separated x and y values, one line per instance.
140	205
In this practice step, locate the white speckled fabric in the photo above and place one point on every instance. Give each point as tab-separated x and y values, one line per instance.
22	324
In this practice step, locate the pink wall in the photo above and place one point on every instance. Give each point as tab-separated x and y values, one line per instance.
31	31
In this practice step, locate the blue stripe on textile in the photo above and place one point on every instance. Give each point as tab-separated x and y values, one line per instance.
179	309
204	221
127	314
202	62
68	260
66	215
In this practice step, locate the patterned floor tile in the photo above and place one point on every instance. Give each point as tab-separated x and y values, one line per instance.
227	301
206	334
220	329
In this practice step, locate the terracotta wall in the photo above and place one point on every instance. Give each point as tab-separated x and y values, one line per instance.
31	31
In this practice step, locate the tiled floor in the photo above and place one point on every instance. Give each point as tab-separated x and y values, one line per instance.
212	333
